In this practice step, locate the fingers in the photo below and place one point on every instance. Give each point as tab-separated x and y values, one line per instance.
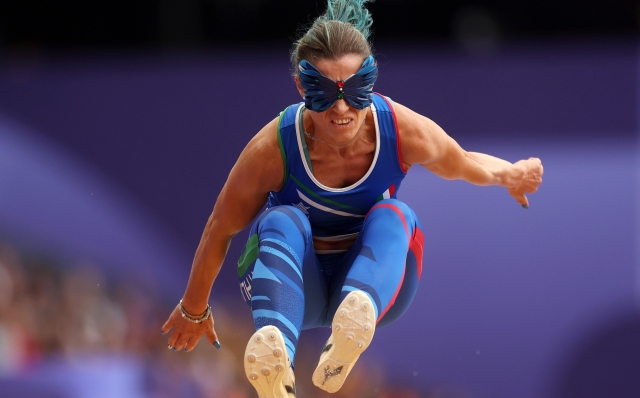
208	330
530	181
211	333
185	335
524	202
536	170
187	341
167	326
520	198
181	342
191	344
173	339
171	321
531	187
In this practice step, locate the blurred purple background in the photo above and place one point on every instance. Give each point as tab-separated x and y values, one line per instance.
111	164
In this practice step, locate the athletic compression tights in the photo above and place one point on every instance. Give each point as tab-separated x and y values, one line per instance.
289	286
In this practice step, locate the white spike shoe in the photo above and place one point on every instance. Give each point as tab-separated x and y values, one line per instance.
268	366
353	327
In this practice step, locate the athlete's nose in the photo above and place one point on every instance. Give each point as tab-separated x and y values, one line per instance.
341	106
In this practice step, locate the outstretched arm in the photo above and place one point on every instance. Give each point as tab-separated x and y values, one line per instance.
425	143
258	170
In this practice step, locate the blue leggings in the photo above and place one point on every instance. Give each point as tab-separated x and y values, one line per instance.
289	286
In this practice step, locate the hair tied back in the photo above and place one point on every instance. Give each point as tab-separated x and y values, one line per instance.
343	29
351	11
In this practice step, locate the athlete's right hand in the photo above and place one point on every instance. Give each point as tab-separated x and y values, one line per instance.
185	335
530	180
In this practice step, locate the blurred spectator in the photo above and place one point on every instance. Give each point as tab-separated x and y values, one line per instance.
14	341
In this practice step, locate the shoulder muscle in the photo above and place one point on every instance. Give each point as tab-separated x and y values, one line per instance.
422	140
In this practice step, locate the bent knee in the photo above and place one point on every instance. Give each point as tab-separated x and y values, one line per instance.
282	215
395	204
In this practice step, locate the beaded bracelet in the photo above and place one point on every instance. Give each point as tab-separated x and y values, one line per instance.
191	318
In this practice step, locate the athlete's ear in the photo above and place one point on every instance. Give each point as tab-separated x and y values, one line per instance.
299	86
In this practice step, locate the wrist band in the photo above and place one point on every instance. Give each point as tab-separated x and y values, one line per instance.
195	319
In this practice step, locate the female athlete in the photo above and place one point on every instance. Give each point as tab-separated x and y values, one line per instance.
334	246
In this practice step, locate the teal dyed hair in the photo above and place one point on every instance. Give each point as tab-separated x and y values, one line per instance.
352	12
343	29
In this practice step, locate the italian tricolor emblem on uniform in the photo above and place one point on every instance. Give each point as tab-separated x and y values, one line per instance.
388	193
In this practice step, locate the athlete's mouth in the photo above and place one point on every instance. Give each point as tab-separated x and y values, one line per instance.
341	122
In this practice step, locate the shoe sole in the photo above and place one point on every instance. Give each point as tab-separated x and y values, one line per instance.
353	327
266	362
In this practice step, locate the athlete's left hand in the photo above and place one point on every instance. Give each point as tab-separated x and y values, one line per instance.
531	180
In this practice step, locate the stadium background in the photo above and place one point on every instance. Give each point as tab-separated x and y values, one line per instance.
119	122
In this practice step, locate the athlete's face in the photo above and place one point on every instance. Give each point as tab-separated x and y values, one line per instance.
342	121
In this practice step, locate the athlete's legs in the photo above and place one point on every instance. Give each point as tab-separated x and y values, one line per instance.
385	262
375	284
279	274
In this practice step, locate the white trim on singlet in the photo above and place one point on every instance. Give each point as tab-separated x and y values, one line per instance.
310	174
325	208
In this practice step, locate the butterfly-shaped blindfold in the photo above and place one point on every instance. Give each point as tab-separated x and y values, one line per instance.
320	92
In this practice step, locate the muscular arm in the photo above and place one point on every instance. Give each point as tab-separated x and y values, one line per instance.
259	169
423	142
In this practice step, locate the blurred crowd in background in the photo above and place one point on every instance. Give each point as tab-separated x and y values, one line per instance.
51	312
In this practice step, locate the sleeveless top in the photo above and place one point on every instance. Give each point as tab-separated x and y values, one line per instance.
338	213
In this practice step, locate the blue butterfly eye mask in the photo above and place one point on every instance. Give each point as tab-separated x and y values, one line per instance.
320	92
